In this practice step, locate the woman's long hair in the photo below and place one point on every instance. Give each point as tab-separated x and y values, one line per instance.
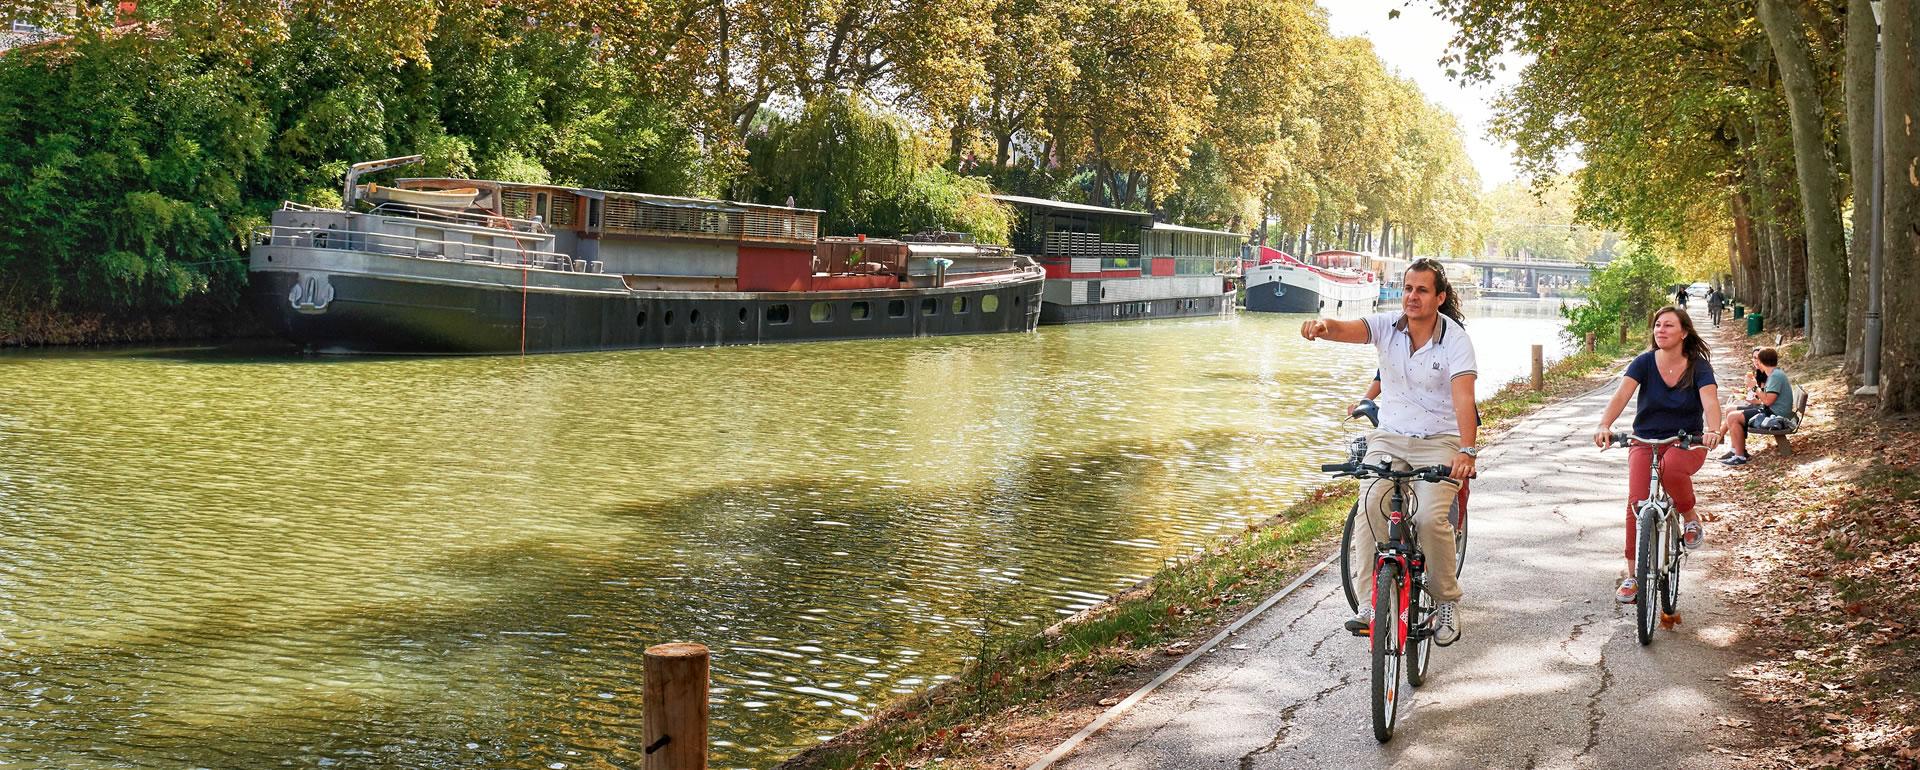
1692	346
1451	307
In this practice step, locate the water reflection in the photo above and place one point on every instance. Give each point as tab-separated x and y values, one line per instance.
225	559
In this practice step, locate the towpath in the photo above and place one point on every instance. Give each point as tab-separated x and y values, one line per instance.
1548	673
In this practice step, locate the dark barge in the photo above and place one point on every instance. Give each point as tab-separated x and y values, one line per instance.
460	266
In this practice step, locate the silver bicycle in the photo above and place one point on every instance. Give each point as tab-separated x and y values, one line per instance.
1658	553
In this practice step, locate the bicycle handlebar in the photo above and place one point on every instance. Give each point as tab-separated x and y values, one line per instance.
1685	440
1432	473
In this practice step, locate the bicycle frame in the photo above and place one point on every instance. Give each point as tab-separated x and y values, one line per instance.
1400	548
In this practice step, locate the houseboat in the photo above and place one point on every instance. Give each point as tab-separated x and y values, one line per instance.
475	266
1328	282
1105	264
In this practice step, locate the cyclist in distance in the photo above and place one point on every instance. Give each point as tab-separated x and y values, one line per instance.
1677	394
1427	417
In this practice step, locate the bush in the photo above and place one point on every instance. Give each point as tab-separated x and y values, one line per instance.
1623	295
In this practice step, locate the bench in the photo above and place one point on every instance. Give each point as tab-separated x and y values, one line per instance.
1780	444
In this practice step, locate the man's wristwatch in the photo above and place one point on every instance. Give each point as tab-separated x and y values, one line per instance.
1470	452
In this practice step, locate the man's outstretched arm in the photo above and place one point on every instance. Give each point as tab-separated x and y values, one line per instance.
1337	330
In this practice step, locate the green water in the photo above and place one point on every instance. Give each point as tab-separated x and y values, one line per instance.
215	558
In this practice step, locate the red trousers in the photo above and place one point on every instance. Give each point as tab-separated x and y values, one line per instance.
1676	475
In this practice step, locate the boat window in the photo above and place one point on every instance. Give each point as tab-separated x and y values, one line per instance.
640	319
667	320
540	206
593	222
959	305
859	311
896	308
990	303
779	314
693	317
743	314
821	312
929	307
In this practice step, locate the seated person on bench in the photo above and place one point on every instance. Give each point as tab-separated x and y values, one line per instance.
1770	404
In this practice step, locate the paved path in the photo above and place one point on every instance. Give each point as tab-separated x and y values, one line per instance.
1548	674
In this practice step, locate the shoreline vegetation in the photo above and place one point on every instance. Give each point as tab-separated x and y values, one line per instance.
143	144
1029	690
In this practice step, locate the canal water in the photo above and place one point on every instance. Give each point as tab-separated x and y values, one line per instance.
219	558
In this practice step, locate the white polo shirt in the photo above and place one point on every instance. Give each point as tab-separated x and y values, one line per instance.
1416	386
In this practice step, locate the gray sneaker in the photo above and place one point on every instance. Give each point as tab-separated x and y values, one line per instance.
1735	460
1362	622
1446	628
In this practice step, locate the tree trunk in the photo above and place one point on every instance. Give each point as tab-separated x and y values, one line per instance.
1900	257
1858	76
1819	203
1746	269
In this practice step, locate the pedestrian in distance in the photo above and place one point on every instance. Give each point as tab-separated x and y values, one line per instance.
1427	417
1673	381
1716	304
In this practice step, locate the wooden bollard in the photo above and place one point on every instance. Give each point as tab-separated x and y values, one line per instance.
1539	368
1591	346
674	697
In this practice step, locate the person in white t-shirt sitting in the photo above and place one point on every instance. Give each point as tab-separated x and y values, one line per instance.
1427	417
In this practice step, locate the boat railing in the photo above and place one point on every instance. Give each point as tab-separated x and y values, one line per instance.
436	214
409	246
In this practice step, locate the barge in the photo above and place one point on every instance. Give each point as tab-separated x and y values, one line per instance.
463	266
1328	282
1105	264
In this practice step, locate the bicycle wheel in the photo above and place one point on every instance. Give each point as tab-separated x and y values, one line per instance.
1387	636
1419	648
1670	576
1346	559
1646	571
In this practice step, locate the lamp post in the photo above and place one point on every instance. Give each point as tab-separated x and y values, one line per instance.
1870	368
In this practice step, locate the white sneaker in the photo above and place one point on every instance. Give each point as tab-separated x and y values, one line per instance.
1361	622
1446	628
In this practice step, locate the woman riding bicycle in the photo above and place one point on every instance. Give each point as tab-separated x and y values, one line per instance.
1677	394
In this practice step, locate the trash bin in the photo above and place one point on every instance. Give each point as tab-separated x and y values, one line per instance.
1739	312
1753	324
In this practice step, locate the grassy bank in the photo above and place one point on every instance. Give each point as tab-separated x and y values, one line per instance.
1023	695
1828	539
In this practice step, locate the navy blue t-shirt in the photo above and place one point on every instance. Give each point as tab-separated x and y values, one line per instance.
1667	412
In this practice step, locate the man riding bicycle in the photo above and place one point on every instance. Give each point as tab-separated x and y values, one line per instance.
1427	417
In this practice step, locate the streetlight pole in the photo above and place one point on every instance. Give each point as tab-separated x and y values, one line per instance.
1870	369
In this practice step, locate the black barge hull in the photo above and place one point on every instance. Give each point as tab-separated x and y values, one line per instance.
349	312
1183	307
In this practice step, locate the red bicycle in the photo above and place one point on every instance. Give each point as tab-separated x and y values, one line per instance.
1402	606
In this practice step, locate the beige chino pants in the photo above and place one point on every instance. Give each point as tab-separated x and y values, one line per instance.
1430	503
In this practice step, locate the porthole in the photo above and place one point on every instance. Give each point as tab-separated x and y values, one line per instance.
896	308
929	307
858	312
821	312
640	319
693	316
990	303
959	305
667	319
743	314
779	314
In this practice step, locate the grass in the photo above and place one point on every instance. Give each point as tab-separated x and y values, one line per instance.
1112	648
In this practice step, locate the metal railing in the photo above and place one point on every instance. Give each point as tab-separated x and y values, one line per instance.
408	246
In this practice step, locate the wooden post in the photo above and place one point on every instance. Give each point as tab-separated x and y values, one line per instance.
674	699
1590	343
1539	368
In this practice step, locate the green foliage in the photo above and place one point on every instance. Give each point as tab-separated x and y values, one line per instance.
863	169
1623	296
